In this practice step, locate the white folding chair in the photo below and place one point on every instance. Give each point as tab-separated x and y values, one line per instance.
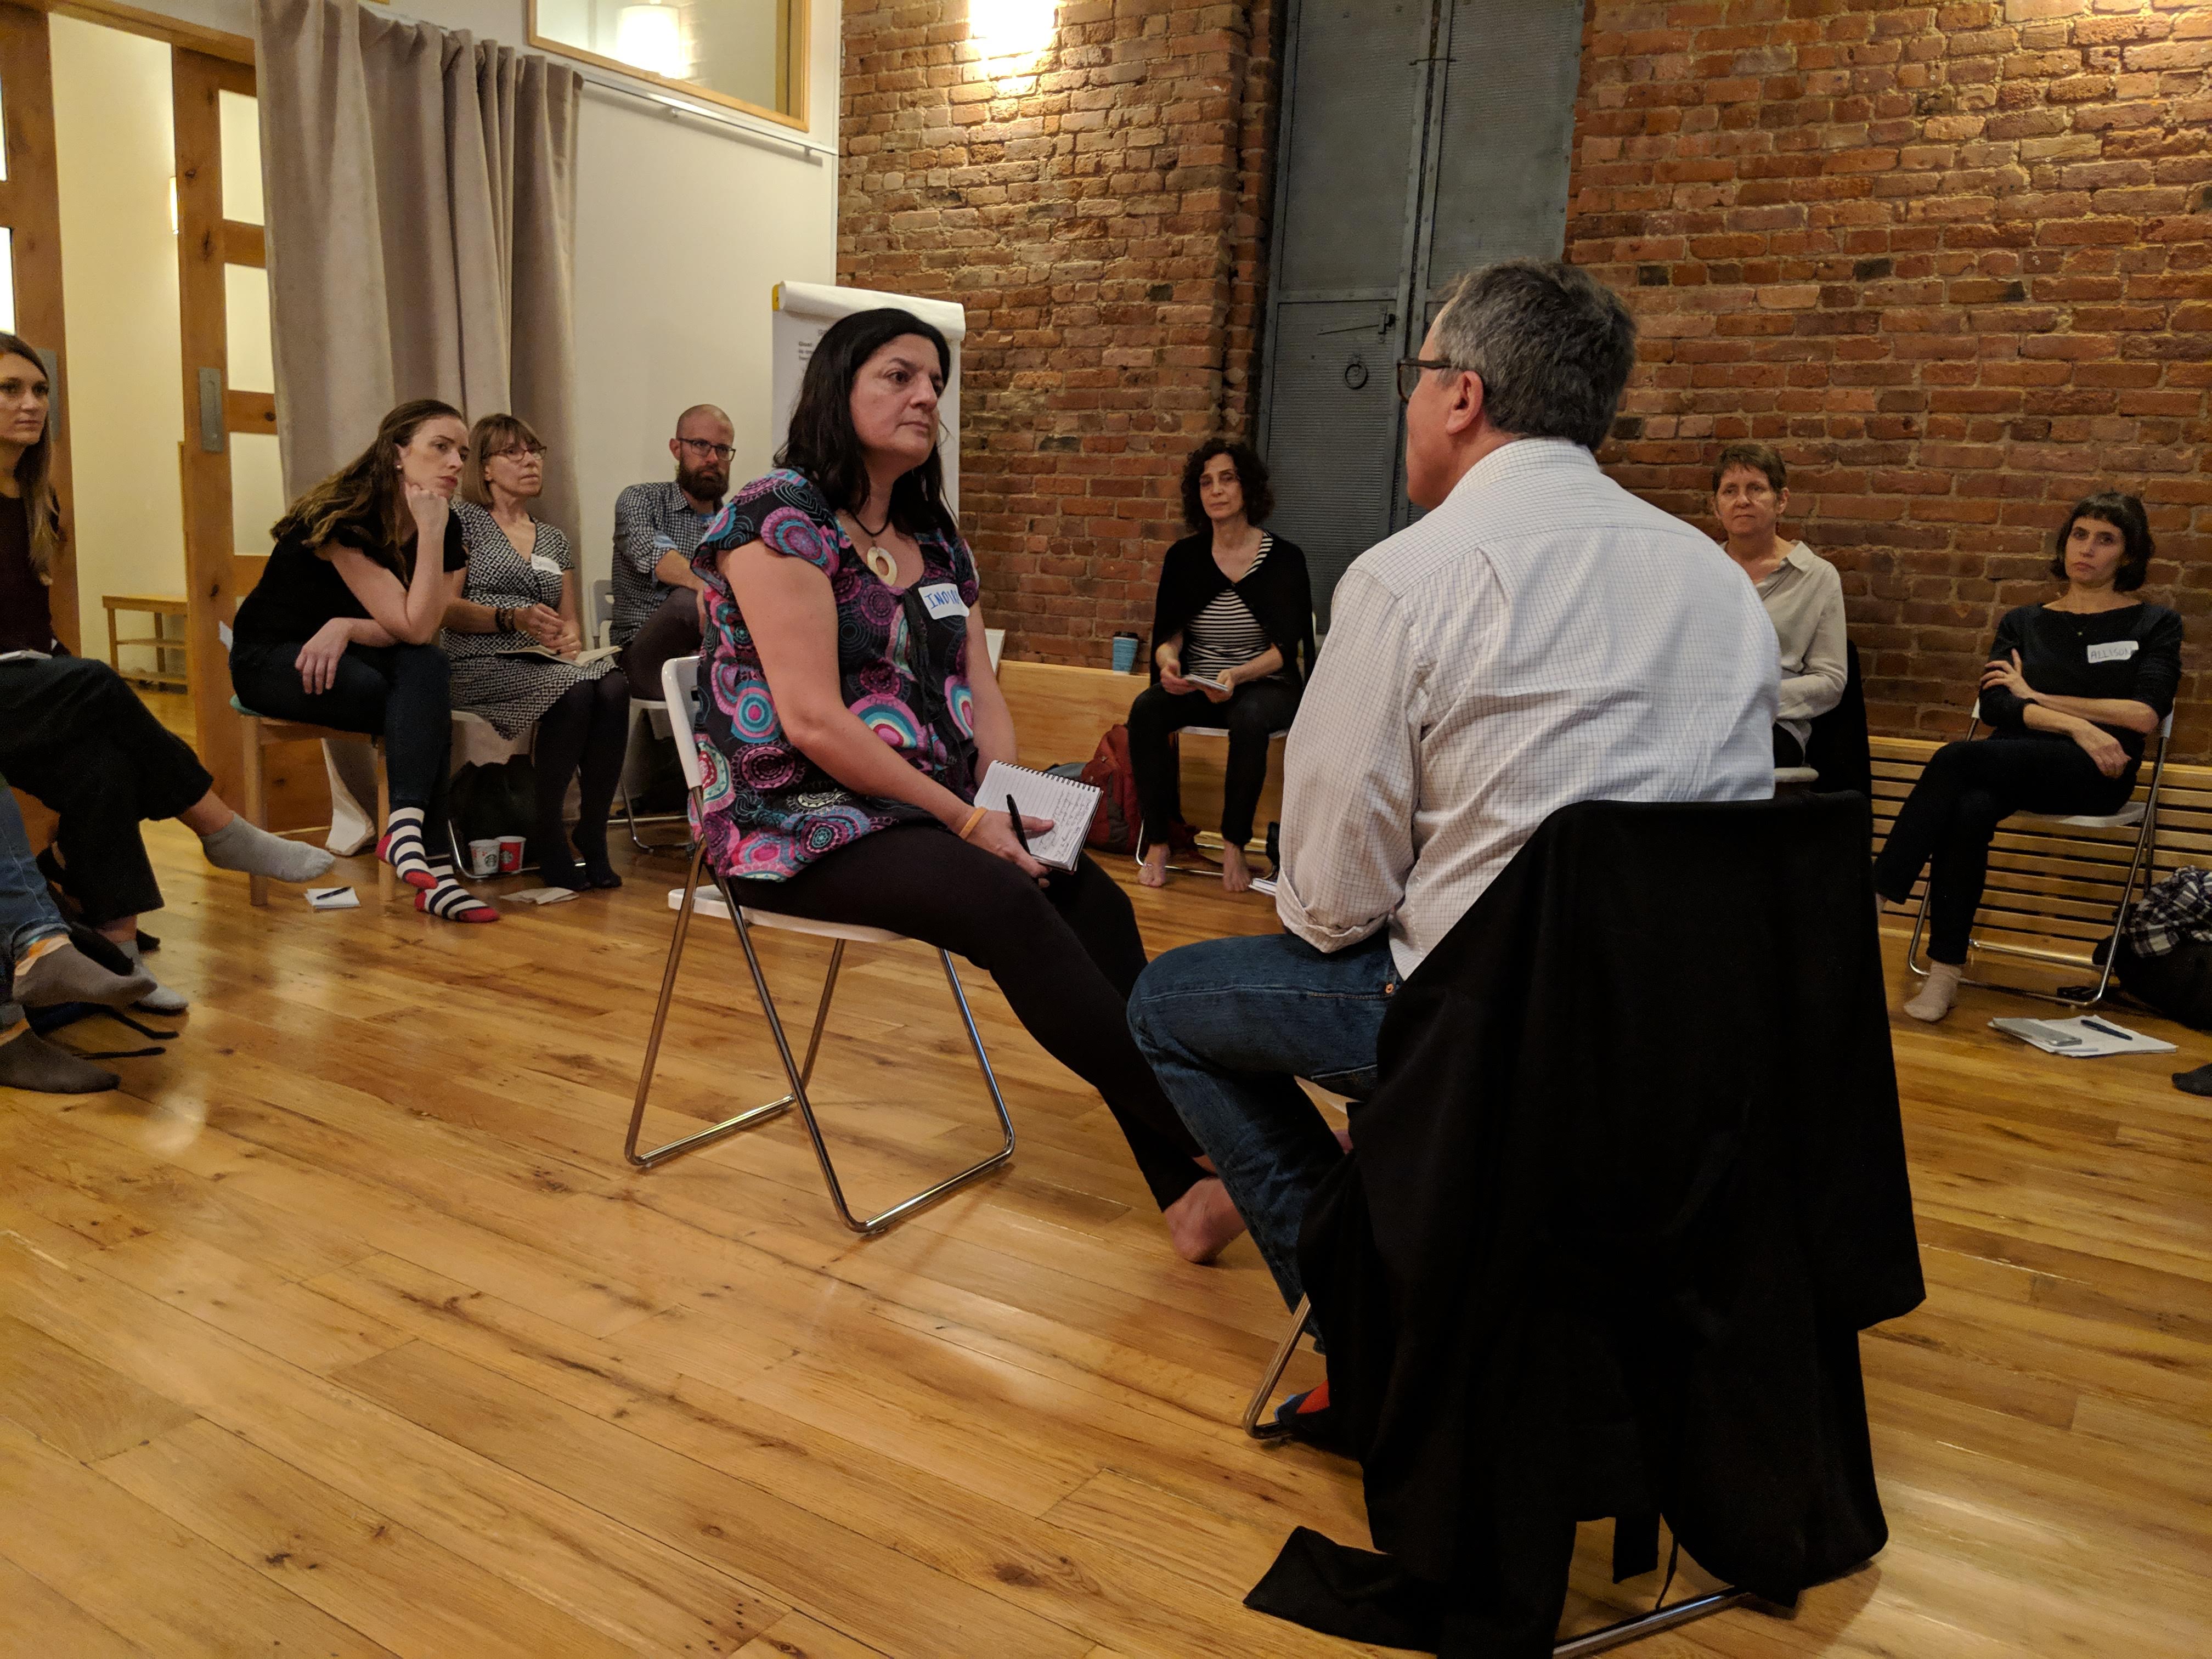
680	681
603	609
2140	816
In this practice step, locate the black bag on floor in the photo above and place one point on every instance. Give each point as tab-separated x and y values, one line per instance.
488	801
2177	984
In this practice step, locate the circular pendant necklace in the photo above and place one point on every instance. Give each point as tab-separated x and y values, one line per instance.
877	558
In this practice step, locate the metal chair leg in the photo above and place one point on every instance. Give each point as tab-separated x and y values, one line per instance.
1648	1624
1255	1408
744	1119
798	1076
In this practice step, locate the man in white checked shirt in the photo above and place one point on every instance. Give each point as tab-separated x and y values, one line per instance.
1541	637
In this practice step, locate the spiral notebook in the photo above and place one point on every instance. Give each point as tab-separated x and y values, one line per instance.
1068	802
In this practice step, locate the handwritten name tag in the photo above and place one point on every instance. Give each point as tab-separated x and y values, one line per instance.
2114	651
941	600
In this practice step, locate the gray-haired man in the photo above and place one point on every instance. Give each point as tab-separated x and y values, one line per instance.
1541	637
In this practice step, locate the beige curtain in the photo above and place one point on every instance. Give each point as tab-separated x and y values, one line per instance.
421	199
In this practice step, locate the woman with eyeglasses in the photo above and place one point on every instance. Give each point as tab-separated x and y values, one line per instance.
1232	639
514	636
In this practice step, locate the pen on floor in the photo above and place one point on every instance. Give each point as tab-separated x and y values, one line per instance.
2109	1031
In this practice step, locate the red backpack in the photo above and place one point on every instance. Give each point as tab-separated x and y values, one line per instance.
1114	828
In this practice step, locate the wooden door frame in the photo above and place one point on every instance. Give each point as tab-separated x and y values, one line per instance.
206	242
30	204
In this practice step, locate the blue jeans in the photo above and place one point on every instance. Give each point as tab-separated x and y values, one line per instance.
26	908
1228	1026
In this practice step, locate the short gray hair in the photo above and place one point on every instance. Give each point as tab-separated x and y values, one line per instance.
1553	346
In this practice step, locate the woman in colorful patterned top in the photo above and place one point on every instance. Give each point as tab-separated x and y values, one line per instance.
845	723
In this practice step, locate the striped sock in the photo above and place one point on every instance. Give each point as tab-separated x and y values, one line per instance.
451	901
404	848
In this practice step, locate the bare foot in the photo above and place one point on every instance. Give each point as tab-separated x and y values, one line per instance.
1153	871
1202	1221
1235	874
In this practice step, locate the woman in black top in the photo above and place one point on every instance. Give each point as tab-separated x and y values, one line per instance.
2073	691
342	630
74	735
1232	640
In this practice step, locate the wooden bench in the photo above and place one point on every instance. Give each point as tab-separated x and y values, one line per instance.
2056	888
152	605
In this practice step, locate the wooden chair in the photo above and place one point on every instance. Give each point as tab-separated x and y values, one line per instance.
262	731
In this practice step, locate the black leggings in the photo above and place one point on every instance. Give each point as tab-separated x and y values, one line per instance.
1065	958
1254	712
75	736
401	693
582	736
1952	814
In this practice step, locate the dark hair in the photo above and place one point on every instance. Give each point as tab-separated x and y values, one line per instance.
2124	513
1756	458
821	442
1553	346
367	487
1251	477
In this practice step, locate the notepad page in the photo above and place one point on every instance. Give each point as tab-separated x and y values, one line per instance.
1068	802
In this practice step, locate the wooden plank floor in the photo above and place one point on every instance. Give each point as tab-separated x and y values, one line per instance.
343	1330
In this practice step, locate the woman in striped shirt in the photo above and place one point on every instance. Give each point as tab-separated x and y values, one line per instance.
1232	642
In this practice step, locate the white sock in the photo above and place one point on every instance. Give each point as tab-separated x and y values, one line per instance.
1938	993
160	999
242	846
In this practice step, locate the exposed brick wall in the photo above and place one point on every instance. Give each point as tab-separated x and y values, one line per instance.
1102	218
1955	262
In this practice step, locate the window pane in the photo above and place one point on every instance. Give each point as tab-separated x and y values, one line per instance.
739	48
240	118
256	490
246	297
7	280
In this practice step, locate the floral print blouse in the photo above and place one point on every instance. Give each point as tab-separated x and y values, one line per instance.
768	811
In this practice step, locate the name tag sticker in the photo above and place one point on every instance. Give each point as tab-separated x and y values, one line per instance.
543	565
2115	651
941	600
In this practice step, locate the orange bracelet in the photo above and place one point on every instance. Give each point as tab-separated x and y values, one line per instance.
974	818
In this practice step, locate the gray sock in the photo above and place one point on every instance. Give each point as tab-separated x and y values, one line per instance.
29	1061
69	975
242	846
160	999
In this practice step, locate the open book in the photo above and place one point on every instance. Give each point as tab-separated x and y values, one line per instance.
1068	802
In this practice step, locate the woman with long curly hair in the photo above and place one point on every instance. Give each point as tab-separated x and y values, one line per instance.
1232	642
342	630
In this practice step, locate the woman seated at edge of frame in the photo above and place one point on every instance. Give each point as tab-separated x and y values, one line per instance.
2073	690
